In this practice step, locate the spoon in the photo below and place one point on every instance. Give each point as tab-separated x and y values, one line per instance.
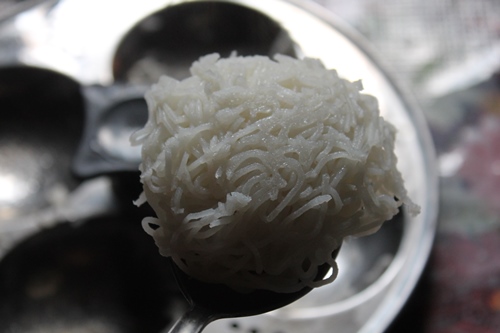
209	302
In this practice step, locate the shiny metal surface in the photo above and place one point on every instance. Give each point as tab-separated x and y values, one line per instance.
104	62
102	276
209	302
36	151
113	113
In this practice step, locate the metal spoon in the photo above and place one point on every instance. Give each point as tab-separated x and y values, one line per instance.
209	302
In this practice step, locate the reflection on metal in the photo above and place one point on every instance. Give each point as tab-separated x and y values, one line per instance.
113	113
14	188
112	63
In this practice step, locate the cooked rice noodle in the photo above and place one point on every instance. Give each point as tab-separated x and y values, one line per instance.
258	169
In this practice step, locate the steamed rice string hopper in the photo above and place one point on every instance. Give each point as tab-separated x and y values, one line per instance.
259	168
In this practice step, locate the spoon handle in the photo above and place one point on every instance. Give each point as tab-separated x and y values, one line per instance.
193	321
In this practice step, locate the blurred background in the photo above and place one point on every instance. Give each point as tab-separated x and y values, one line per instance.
447	54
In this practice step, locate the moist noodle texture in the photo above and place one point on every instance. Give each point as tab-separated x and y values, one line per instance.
257	169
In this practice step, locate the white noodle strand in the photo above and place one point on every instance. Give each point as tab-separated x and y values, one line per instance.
257	169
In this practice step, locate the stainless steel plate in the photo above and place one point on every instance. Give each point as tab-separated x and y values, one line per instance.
115	45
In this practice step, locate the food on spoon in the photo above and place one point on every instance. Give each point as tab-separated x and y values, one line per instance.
258	169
